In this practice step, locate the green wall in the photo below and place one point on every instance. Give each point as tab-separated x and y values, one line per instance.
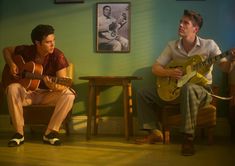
153	23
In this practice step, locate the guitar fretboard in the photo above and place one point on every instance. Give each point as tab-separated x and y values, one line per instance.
210	61
58	80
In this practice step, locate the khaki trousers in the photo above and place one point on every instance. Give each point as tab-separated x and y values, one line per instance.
17	97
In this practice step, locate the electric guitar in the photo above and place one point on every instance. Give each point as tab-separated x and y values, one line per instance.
194	68
29	75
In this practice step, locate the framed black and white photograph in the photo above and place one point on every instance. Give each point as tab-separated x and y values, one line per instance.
190	0
113	27
68	1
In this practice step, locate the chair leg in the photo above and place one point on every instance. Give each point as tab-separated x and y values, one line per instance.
31	130
203	132
67	128
166	136
232	132
210	131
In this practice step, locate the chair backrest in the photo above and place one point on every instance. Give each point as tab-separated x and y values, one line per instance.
70	71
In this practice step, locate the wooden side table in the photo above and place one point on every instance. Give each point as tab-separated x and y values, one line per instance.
95	82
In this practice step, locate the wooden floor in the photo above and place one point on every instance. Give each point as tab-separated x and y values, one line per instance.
111	151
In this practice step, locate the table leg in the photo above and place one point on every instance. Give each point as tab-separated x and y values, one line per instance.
130	109
125	105
127	102
96	113
90	109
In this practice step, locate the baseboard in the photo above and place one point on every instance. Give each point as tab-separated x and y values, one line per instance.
5	124
111	125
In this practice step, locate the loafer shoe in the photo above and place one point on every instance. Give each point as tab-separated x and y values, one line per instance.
150	139
52	139
16	140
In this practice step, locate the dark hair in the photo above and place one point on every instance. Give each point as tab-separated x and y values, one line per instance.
106	6
195	17
41	31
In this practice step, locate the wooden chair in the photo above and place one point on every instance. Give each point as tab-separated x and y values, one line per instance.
206	119
1	95
39	115
231	114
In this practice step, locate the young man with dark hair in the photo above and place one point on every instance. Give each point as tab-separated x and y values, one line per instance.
192	95
54	64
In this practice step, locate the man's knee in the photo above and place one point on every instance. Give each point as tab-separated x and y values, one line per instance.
188	87
69	94
117	46
13	88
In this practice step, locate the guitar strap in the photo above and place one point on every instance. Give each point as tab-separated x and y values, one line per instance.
220	97
210	92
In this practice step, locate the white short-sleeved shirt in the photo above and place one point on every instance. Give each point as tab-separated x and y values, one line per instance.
204	47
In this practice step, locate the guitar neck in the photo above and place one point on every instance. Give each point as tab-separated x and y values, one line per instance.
57	80
33	76
211	60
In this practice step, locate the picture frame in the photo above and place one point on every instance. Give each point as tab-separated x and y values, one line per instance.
190	0
68	1
113	27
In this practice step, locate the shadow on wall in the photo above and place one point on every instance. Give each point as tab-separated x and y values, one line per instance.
111	100
107	106
148	78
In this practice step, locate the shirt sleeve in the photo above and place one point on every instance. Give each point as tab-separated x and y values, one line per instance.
215	51
165	57
62	62
59	60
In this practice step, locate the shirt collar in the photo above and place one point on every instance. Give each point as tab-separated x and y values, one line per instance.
179	43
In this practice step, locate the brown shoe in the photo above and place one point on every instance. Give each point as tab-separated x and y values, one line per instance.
188	147
150	139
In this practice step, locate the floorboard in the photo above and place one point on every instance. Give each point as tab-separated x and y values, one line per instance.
111	150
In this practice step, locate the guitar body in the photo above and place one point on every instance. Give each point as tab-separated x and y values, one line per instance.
28	84
169	89
110	35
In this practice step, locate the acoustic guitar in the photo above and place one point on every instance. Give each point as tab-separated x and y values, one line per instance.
194	68
29	75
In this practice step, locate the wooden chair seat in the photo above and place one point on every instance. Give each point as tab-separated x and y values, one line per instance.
40	115
206	119
206	115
